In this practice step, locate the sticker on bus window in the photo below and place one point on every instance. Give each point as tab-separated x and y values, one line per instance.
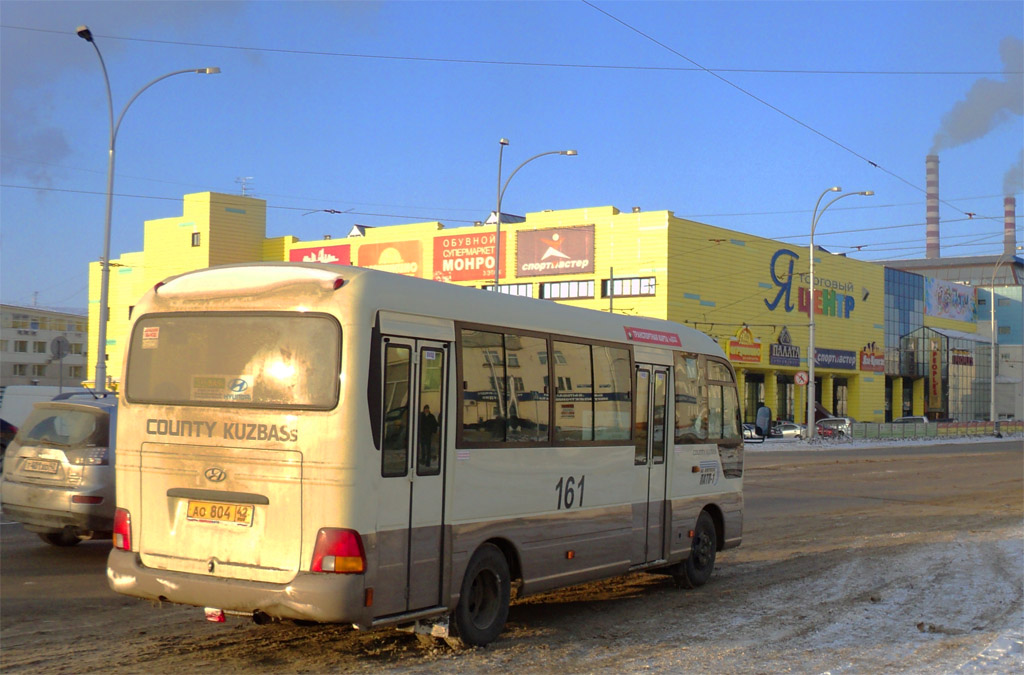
429	355
151	337
222	388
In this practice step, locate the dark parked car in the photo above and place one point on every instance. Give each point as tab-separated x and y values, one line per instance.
7	432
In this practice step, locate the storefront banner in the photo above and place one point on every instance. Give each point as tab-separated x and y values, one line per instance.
745	348
873	362
835	358
947	300
399	257
935	378
564	250
466	257
961	357
784	352
339	254
654	337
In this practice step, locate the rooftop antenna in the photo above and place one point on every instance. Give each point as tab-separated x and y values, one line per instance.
244	182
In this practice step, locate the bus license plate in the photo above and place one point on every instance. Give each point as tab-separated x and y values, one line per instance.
42	465
213	512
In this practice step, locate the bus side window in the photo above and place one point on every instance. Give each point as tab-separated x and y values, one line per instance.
395	446
691	404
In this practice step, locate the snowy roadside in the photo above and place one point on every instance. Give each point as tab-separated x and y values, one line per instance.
796	444
1006	653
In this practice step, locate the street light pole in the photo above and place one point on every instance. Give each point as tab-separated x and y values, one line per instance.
815	216
501	194
101	351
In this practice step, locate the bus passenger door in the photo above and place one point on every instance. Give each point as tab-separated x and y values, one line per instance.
651	440
410	501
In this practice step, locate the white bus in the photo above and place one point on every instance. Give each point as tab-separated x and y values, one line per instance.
336	444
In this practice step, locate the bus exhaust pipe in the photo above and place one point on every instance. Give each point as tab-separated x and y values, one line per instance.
262	618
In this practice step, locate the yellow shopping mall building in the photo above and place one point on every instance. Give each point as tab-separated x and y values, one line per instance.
749	293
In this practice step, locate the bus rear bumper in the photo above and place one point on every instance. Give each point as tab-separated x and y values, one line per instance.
328	598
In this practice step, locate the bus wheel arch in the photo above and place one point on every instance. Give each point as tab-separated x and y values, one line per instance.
719	519
484	598
700	563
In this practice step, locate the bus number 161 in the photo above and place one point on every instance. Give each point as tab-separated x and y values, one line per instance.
566	489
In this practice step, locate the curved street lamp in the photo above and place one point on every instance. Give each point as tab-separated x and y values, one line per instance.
101	351
501	193
815	217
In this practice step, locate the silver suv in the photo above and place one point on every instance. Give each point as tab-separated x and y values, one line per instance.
835	427
58	478
911	419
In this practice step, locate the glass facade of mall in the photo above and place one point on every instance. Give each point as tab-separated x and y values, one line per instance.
955	368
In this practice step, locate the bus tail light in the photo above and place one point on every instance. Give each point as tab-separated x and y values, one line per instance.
339	551
122	530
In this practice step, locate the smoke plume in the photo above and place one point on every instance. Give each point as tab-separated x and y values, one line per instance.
1013	181
988	102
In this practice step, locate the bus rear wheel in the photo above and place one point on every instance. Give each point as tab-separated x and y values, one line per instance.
697	569
483	603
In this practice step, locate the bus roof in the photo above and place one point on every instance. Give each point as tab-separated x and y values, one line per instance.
245	285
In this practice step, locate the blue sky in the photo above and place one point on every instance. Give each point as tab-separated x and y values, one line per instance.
392	112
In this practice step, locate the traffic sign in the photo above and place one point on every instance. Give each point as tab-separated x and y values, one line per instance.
800	378
60	347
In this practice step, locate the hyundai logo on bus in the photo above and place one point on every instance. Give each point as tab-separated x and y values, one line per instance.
238	385
215	474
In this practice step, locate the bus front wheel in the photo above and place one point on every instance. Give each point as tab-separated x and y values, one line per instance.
696	570
483	603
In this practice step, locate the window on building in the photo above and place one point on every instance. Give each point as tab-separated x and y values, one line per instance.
625	288
21	345
1004	330
520	290
39	370
20	369
39	347
76	372
76	347
195	239
567	290
3	345
1002	302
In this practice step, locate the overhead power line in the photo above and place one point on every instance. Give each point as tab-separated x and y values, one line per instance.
763	102
529	64
407	218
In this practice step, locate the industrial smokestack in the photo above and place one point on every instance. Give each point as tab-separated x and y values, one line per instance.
931	206
1009	226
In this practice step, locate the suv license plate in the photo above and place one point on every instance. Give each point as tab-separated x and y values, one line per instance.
214	512
42	465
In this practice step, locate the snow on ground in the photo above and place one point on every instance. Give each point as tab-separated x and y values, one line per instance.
1005	654
789	444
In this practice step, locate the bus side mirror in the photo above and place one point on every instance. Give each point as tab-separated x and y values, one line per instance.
763	422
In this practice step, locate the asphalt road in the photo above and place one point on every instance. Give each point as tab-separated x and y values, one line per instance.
58	615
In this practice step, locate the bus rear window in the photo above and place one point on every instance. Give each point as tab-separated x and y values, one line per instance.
237	360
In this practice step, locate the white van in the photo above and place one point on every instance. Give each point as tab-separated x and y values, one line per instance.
17	400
